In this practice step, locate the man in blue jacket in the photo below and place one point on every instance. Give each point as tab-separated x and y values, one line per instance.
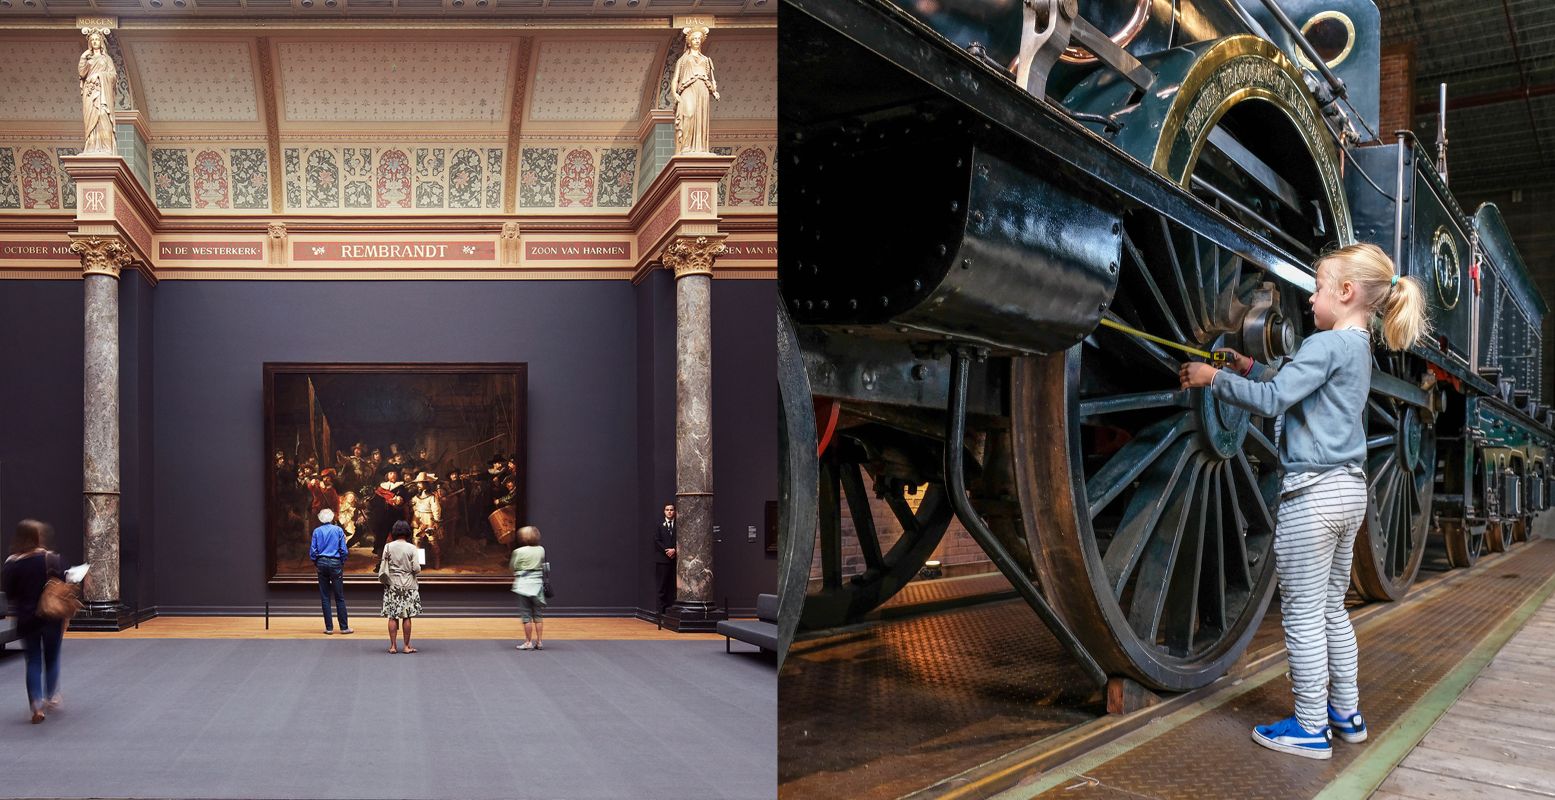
329	558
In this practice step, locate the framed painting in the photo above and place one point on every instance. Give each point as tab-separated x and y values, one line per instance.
441	447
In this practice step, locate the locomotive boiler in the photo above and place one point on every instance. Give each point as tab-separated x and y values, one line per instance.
966	232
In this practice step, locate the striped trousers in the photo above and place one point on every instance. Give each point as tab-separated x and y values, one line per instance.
1314	541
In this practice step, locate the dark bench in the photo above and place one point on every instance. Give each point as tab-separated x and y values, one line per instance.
761	631
8	631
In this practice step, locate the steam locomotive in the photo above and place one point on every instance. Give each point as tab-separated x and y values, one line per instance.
967	234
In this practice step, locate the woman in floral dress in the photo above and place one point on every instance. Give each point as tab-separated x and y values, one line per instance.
401	597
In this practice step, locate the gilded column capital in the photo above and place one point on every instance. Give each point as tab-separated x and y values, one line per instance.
693	255
102	255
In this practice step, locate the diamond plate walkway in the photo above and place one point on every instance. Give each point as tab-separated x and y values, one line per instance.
1415	660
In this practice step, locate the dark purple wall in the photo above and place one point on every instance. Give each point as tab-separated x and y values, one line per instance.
214	337
601	423
41	334
745	452
137	440
656	412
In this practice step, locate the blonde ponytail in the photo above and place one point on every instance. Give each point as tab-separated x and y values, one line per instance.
1403	314
1400	300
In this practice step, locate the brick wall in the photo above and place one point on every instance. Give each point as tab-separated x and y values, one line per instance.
1398	89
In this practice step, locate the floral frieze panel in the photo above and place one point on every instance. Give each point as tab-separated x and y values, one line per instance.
617	176
537	182
67	185
10	192
357	178
574	175
32	178
250	178
206	178
752	179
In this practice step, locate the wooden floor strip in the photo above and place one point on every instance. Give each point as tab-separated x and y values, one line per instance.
1416	785
1496	741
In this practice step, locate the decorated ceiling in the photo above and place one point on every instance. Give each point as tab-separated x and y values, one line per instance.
382	118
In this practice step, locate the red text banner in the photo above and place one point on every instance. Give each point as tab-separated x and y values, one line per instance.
211	251
577	251
402	250
37	251
750	250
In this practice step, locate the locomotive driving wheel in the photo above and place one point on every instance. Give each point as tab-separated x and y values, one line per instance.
1464	542
1160	552
1401	480
1154	507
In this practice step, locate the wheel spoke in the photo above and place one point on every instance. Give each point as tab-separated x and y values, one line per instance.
1142	516
1155	289
1263	448
1406	533
1116	403
1225	294
1385	440
1251	494
1160	556
1182	609
831	526
1209	283
1236	537
1134	458
1381	413
852	476
1212	583
1189	313
1149	352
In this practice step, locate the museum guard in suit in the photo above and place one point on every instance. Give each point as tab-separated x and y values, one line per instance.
664	558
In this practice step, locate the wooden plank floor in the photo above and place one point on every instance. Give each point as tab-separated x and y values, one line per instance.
1497	742
372	625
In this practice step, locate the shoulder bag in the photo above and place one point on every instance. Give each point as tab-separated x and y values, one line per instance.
545	579
383	567
59	600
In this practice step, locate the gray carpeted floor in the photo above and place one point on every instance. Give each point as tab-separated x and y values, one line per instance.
341	718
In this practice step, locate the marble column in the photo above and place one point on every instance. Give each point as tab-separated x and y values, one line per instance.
102	258
691	258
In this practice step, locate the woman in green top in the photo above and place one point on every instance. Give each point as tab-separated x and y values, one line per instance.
529	585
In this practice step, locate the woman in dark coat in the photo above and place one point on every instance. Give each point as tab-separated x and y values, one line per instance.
22	579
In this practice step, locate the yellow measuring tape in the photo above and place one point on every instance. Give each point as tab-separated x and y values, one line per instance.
1218	359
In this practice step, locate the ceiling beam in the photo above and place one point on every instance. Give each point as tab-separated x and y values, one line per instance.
272	127
510	164
1487	98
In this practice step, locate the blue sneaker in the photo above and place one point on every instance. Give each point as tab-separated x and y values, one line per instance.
1351	730
1287	736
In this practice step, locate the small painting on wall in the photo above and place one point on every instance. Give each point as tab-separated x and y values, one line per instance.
440	446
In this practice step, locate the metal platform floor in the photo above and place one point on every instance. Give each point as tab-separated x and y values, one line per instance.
978	699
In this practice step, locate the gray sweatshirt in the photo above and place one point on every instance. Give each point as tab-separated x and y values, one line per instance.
1322	392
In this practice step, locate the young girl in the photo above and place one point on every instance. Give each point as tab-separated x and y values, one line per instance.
1322	392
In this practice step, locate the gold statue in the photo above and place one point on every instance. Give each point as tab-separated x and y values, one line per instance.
695	88
97	84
